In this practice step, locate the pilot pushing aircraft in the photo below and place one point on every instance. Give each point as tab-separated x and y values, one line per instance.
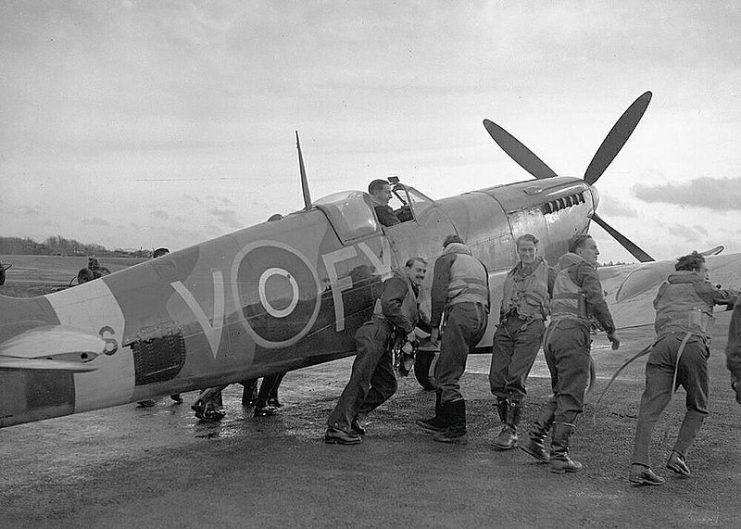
684	314
460	292
373	381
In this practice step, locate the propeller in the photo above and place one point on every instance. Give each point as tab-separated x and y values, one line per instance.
606	153
518	152
616	138
629	245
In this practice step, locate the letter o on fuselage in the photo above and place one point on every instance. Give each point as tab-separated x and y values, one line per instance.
277	305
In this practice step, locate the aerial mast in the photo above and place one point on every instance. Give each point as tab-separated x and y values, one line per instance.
304	181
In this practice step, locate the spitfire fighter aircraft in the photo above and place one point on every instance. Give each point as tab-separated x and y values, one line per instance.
277	296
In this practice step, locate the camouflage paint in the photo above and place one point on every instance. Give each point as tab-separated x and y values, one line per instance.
279	295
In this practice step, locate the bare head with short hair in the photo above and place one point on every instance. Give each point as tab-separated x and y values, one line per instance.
527	237
380	190
527	248
451	239
159	252
578	241
416	268
693	262
585	247
377	185
410	262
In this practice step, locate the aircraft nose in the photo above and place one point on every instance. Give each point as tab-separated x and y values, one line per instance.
595	196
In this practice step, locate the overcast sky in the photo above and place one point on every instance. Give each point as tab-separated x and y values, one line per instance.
152	123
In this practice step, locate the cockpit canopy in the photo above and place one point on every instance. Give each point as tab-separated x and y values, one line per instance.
352	215
350	212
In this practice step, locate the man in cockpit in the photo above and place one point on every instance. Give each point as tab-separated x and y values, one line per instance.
380	192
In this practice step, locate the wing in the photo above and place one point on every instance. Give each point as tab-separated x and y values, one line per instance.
631	289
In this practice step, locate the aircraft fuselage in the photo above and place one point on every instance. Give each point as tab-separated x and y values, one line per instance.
276	296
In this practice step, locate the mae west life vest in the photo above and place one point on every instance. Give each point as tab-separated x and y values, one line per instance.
569	300
468	281
409	306
680	309
527	295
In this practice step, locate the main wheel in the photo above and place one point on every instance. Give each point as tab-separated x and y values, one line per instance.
424	368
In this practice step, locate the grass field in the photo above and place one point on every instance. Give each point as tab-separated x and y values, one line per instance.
34	275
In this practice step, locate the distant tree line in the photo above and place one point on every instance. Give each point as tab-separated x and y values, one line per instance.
58	245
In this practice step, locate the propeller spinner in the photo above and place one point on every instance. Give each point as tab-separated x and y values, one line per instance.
606	153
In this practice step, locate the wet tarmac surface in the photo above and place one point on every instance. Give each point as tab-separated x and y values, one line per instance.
159	467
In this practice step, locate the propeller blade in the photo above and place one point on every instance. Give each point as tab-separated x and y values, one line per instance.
629	245
616	138
713	251
518	152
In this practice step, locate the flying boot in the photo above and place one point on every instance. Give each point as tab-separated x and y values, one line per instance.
535	444
507	438
358	424
273	398
210	406
455	431
262	405
560	460
677	463
249	393
437	423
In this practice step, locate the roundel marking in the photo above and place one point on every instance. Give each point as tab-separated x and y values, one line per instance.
278	305
267	305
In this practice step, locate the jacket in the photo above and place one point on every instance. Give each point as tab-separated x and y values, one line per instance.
577	294
458	277
685	303
398	303
527	290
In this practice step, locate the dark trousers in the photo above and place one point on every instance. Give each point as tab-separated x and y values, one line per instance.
513	355
465	324
269	388
692	375
372	380
567	345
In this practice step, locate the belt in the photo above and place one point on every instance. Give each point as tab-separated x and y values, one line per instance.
522	317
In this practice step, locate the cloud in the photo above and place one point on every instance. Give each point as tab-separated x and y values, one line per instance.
228	217
34	211
614	208
689	233
223	200
720	194
96	221
160	214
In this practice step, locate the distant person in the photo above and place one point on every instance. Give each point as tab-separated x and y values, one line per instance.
159	252
3	268
93	270
94	266
380	192
84	275
684	313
